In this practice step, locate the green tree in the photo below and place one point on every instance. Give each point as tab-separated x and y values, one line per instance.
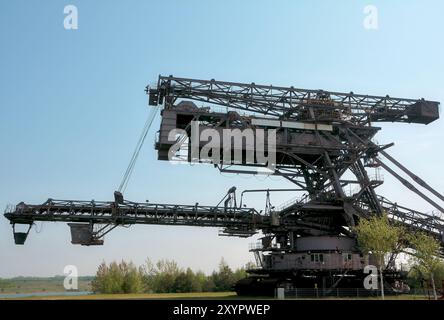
415	277
376	236
148	271
99	282
203	282
239	274
132	278
160	277
186	281
224	278
117	278
426	255
167	272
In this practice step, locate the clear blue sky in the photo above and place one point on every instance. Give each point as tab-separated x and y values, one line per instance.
73	104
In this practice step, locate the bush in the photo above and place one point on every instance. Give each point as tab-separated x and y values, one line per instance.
416	279
117	278
165	276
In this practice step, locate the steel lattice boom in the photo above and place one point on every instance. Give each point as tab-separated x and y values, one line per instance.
241	222
290	102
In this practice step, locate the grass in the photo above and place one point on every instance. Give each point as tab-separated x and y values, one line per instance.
201	295
141	296
35	284
22	285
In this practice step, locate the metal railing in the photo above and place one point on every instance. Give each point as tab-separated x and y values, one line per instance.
260	246
299	199
353	293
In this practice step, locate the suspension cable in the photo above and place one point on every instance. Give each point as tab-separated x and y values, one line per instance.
130	168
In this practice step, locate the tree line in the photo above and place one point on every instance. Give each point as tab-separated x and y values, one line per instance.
376	236
380	237
164	276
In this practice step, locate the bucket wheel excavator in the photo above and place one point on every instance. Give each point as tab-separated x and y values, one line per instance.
323	144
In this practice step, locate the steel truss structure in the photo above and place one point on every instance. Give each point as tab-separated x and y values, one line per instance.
290	102
324	147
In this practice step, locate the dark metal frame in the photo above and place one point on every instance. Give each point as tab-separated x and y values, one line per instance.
284	102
